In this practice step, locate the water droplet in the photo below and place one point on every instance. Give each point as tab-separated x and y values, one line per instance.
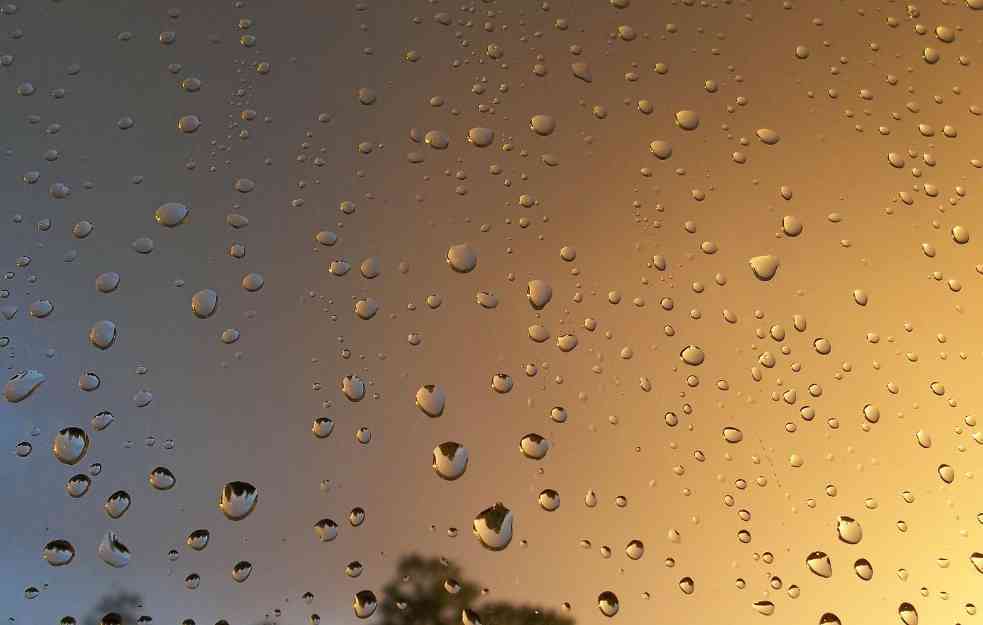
767	136
819	563
112	551
322	427
22	384
501	383
733	435
607	603
198	539
764	267
687	120
58	552
107	282
171	214
102	334
70	445
241	571
692	355
117	504
549	500
493	527
326	530
364	603
204	303
356	516
765	608
78	485
848	530
161	478
450	460
539	294
661	149
143	245
863	569
542	125
41	308
353	388
431	400
23	449
188	123
481	137
908	614
244	185
253	282
635	550
238	500
534	446
461	258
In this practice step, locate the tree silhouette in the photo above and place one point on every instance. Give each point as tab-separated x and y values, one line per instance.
432	591
122	602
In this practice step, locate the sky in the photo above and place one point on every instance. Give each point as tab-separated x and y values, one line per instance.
330	174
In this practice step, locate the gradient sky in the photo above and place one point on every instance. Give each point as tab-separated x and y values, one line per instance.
243	411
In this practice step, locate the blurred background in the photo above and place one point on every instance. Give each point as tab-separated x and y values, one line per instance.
497	312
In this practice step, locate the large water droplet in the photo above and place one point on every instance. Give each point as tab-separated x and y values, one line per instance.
765	608
431	400
58	552
607	603
450	460
863	569
501	383
70	445
364	603
493	527
819	563
112	551
117	504
549	500
22	384
687	585
687	120
764	267
107	282
539	294
78	485
849	531
204	303
326	530
238	500
322	427
241	571
692	355
161	478
102	334
733	435
908	614
542	125
534	446
171	214
198	539
353	388
462	258
481	137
